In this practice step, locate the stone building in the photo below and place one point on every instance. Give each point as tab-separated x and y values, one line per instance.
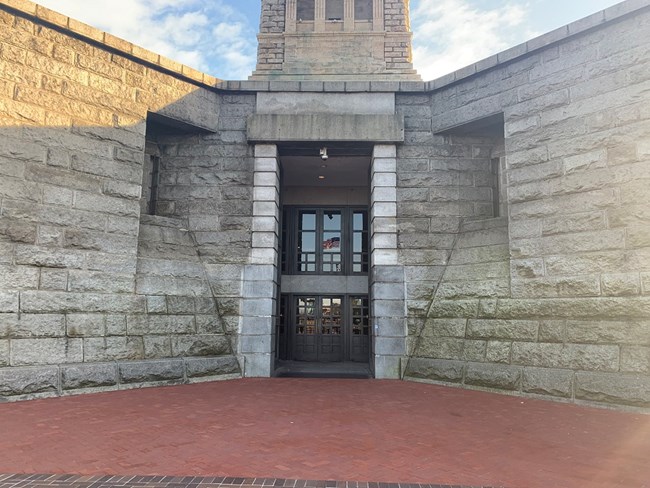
488	229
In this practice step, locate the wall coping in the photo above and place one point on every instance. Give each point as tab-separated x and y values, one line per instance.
156	61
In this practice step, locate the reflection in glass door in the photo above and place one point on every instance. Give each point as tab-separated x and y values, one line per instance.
330	328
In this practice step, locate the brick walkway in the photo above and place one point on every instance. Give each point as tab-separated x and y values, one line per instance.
323	429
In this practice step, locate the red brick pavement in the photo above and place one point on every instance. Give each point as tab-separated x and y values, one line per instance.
362	430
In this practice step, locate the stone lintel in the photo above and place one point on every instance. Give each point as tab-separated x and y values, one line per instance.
325	127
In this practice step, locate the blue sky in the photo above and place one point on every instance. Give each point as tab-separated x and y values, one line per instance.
218	36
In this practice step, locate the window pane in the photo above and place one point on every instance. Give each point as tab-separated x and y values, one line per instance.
362	9
334	10
305	10
308	220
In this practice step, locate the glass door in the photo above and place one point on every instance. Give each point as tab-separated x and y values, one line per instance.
318	329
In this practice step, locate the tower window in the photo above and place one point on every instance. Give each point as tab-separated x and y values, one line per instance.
305	10
334	10
362	9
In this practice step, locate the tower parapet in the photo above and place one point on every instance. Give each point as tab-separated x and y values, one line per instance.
334	40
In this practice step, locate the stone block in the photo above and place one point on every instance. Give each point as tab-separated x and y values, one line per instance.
388	367
53	302
4	352
160	324
200	367
621	284
618	389
27	381
502	329
156	304
180	305
449	327
255	344
435	370
156	347
85	325
75	376
498	352
29	352
18	277
543	381
151	371
201	345
113	348
493	376
33	325
474	350
54	279
635	359
586	357
8	302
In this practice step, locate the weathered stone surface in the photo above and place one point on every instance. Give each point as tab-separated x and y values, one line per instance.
613	388
493	376
435	369
503	329
28	352
200	367
29	380
543	381
74	376
200	345
150	371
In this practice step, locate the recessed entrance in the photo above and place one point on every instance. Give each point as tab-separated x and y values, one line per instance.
323	315
325	329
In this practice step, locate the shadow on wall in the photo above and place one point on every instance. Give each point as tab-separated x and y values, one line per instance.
94	292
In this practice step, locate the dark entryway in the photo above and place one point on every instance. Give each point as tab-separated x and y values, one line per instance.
324	328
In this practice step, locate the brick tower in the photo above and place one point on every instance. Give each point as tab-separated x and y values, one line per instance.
334	40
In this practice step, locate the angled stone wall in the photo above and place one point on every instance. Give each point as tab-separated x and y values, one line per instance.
91	294
571	317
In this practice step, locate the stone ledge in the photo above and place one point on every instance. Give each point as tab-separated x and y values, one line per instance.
325	127
610	390
28	382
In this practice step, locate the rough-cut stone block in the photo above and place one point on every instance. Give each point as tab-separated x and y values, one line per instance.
493	376
554	382
198	367
502	329
635	359
28	352
435	369
74	376
25	381
201	345
498	352
613	388
148	371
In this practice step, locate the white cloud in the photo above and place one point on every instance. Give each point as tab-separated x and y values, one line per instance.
181	30
451	34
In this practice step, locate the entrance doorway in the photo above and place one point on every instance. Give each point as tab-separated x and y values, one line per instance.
326	328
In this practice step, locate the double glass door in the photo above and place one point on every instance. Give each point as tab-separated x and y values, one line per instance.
330	328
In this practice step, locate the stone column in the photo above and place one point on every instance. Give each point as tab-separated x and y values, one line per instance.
290	16
387	286
260	279
378	15
348	15
319	16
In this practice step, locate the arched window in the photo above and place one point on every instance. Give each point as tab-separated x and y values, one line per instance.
305	10
362	9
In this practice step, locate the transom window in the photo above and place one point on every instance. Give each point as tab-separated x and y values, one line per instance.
324	241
